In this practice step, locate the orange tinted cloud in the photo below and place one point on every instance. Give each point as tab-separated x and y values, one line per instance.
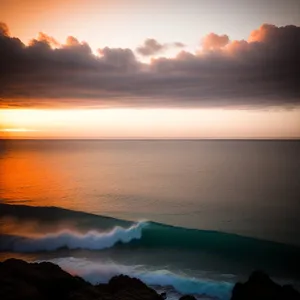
262	33
237	46
264	72
214	41
4	29
43	37
72	41
283	41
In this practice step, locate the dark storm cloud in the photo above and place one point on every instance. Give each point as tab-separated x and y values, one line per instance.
265	70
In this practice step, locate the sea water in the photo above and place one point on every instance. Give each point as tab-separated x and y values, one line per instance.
183	216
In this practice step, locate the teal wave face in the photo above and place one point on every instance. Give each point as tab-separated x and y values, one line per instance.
230	247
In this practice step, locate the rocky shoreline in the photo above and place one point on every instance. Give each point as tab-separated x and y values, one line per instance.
47	281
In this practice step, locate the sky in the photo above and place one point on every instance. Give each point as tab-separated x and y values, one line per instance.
150	69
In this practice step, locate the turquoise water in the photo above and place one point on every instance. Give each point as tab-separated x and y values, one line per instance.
188	216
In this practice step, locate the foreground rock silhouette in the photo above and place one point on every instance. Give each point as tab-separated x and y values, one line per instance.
260	287
45	281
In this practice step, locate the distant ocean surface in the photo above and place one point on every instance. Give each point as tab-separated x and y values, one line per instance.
183	216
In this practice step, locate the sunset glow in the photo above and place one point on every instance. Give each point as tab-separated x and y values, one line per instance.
149	123
138	77
16	130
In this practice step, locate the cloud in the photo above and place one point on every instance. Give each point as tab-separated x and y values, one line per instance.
153	47
43	37
266	32
4	31
150	47
262	71
179	45
119	58
213	41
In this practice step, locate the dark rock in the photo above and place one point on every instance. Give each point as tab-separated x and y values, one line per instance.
121	282
124	287
36	281
20	280
260	287
47	281
187	297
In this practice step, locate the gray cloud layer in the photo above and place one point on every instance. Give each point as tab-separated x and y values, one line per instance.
263	71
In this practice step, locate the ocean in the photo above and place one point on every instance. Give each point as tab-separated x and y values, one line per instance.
184	216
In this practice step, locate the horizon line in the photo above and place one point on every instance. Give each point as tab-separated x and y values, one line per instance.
149	139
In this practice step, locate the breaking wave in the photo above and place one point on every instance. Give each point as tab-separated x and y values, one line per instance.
177	245
91	240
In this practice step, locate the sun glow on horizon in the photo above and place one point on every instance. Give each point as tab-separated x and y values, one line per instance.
149	123
17	130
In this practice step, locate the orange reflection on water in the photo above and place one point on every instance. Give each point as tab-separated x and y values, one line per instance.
28	178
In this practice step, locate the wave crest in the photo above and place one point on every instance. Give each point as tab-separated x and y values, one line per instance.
92	240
